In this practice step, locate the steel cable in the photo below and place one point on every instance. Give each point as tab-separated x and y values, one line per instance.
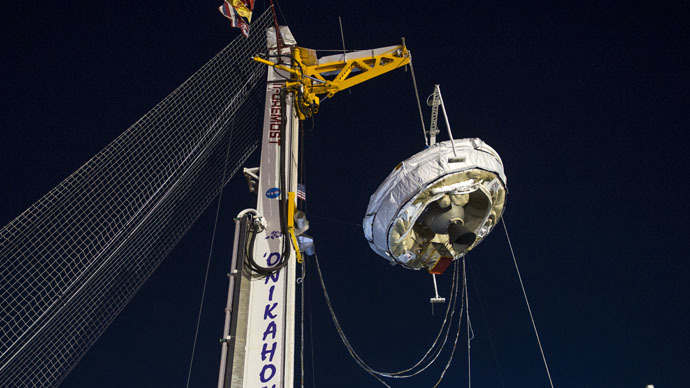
419	104
400	374
529	309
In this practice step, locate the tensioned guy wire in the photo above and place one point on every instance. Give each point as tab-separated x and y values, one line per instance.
529	309
208	261
488	331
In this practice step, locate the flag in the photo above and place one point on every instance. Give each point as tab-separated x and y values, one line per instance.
301	192
243	7
235	19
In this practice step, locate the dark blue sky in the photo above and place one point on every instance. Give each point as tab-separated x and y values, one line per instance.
587	104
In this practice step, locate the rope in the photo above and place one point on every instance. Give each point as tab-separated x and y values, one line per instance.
419	104
529	309
208	262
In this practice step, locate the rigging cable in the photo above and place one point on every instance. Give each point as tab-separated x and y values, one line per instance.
457	334
337	324
428	357
210	255
529	309
375	373
452	302
469	324
282	14
301	348
419	104
276	27
488	330
311	337
303	206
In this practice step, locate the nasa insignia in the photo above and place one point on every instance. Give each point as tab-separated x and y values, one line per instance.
273	192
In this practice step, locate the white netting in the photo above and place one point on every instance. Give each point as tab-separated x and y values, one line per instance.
72	261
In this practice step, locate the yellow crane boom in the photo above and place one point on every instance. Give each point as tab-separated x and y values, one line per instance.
313	77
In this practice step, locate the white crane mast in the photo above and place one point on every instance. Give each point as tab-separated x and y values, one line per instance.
258	350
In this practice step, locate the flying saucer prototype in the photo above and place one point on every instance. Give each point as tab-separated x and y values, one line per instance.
437	205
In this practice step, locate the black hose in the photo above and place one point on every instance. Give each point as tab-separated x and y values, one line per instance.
251	263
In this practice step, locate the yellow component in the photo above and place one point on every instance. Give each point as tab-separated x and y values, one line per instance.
307	55
311	79
277	66
291	224
242	9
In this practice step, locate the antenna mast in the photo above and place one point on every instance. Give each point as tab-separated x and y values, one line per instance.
434	101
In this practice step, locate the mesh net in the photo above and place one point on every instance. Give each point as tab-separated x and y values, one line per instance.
72	261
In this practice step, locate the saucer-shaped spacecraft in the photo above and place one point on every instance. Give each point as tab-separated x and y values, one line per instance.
437	205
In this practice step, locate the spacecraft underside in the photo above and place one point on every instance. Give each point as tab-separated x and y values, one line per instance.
437	205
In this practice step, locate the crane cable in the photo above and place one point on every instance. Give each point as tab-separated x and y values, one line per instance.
419	104
374	373
529	309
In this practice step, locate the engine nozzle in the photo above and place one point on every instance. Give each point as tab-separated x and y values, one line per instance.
460	237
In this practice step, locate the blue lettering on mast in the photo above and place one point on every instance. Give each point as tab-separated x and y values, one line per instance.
271	369
271	312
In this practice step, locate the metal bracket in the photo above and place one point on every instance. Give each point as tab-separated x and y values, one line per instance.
437	298
252	177
260	224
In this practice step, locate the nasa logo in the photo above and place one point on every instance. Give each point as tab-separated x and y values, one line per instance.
273	192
